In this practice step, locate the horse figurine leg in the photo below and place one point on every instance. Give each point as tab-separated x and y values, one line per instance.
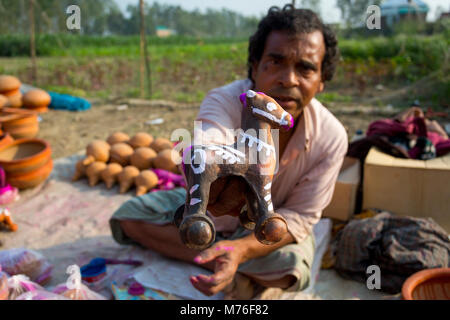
196	229
270	226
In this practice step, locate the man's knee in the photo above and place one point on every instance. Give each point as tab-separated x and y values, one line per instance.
132	229
282	283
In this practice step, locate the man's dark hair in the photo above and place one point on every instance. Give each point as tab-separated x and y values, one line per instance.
294	21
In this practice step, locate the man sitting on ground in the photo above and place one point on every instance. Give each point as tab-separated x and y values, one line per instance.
291	56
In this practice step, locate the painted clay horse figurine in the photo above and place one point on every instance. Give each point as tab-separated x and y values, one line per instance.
204	164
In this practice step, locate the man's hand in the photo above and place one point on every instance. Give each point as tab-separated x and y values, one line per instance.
226	256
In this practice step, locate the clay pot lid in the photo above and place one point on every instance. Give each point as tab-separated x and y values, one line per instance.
45	144
36	98
9	83
416	279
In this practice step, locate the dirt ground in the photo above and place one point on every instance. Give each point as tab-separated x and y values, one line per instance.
70	132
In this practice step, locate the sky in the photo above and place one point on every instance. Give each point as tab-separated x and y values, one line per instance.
258	8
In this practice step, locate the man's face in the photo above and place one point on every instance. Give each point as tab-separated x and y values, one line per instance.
290	69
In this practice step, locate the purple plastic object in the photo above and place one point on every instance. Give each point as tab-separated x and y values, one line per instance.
136	289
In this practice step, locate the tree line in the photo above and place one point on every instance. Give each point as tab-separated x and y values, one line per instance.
104	17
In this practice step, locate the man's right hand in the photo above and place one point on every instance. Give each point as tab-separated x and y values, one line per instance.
227	196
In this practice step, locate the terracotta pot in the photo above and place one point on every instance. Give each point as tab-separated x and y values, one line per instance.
5	139
30	131
36	99
24	156
19	123
9	83
429	284
33	178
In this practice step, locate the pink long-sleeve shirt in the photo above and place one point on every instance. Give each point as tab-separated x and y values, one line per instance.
307	172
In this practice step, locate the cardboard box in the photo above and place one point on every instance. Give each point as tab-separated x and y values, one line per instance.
342	205
408	187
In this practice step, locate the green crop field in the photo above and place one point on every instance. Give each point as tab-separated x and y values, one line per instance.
185	69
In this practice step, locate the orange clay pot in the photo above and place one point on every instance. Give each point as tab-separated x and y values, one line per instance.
110	173
142	158
93	172
14	99
145	181
118	137
141	139
19	123
24	156
161	144
3	101
126	178
121	153
9	83
429	284
5	139
97	150
167	160
80	170
37	100
33	178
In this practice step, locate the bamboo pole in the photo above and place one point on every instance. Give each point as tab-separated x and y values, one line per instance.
142	45
145	60
32	43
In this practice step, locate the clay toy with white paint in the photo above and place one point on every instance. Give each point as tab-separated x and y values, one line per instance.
253	158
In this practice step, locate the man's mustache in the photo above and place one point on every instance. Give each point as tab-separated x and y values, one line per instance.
293	94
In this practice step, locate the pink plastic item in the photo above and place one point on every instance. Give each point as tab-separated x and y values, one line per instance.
168	180
8	194
4	290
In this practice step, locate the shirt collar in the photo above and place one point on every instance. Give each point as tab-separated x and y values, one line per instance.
300	141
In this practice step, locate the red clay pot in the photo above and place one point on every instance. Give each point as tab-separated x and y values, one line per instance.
429	284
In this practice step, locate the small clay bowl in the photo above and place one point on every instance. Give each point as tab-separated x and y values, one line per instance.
429	284
24	155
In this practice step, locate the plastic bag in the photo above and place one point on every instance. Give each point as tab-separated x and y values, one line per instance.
74	289
4	291
40	295
20	284
26	262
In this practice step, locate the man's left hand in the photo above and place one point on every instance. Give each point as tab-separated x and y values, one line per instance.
226	256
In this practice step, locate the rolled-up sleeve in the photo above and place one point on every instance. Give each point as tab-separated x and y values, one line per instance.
312	193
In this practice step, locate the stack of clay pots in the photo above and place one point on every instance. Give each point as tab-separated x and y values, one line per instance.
10	96
19	113
127	161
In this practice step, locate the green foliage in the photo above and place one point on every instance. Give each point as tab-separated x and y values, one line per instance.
67	44
333	97
413	56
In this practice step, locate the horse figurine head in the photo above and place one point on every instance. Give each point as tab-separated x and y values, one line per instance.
266	109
